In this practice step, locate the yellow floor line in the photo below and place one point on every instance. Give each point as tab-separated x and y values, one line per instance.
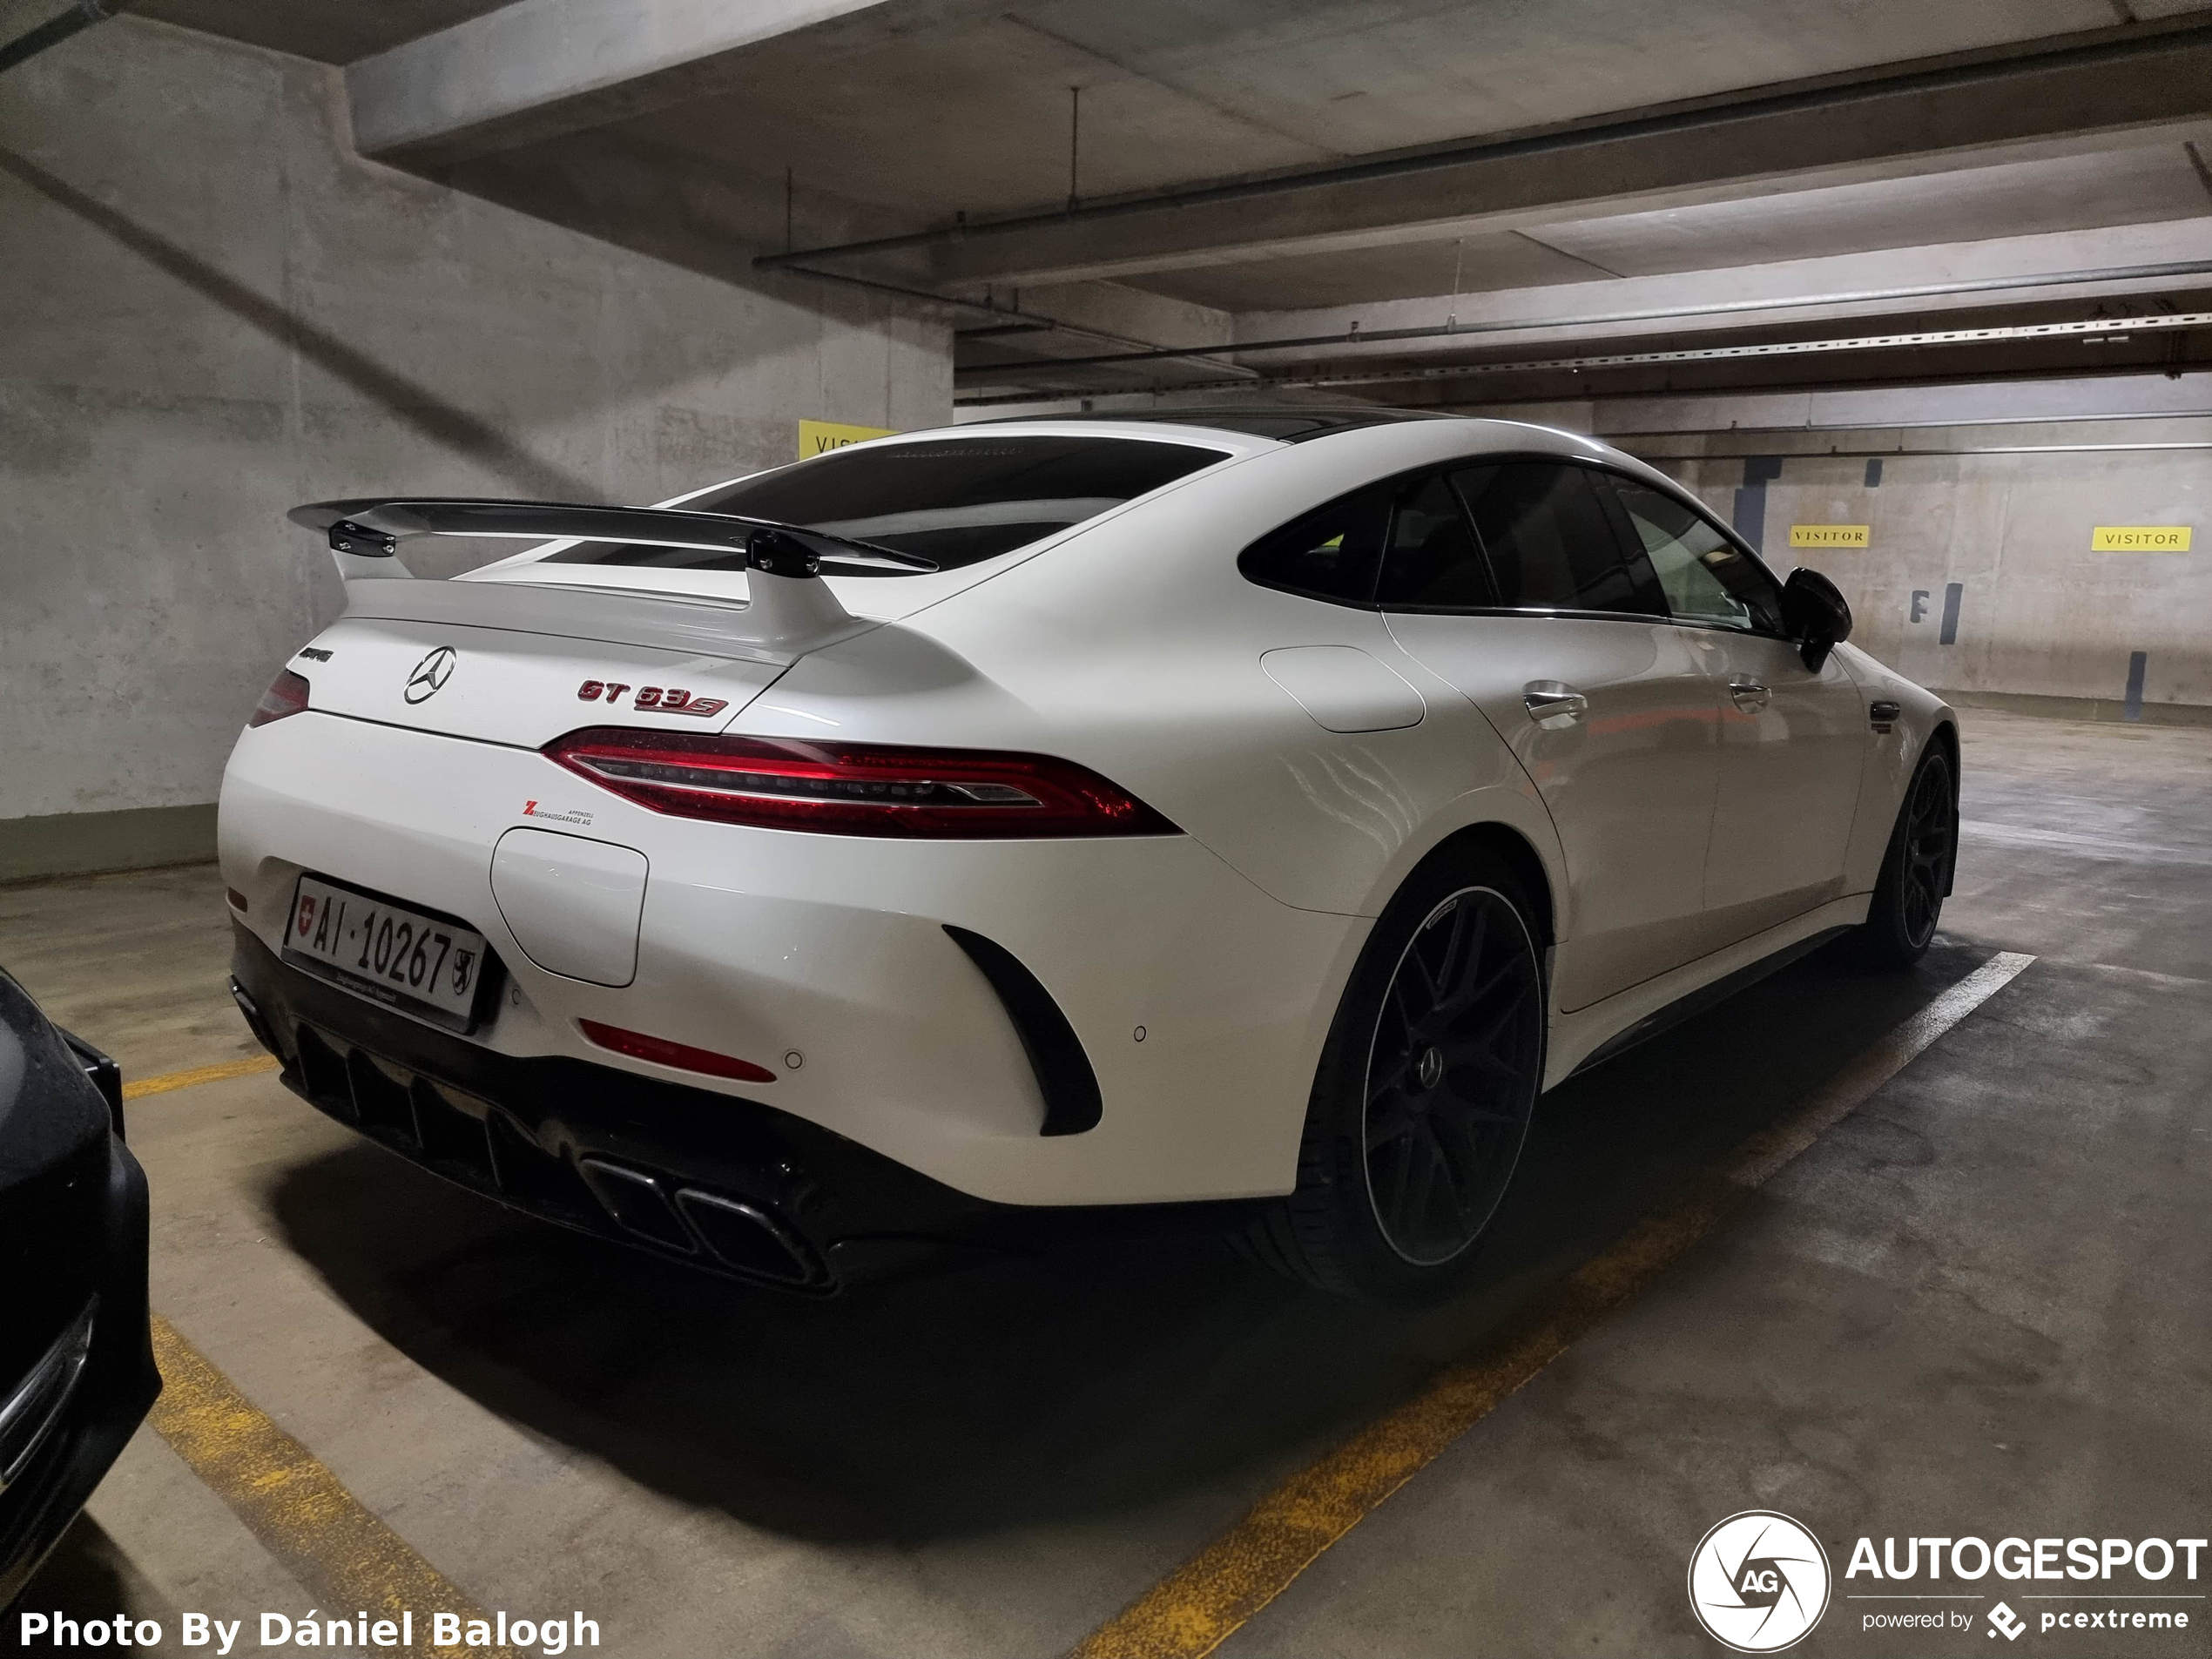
342	1555
252	1065
1203	1602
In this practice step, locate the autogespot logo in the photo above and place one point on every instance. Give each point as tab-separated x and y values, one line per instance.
1759	1582
431	674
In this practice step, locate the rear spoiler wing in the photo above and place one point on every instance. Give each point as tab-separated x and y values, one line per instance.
789	606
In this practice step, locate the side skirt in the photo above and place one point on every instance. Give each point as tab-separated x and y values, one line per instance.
1592	1035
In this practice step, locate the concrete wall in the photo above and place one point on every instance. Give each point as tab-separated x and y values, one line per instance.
211	310
1990	488
1979	576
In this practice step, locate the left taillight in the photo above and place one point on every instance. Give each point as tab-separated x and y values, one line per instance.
287	694
846	789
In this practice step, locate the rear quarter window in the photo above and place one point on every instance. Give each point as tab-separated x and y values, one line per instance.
1332	552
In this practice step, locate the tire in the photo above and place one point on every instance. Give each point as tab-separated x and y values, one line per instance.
1424	1094
1915	868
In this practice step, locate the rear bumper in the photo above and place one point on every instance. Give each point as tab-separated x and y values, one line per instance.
112	1392
1198	1003
729	1186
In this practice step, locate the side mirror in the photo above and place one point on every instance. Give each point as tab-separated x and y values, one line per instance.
1815	614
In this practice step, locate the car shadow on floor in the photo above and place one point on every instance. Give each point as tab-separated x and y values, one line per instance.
88	1578
1081	1382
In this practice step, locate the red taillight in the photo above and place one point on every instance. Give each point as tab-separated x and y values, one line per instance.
287	694
841	789
662	1052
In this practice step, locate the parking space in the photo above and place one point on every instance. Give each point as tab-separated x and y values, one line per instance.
1975	1303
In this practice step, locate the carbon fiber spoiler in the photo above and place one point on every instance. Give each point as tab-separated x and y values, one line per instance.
373	528
789	607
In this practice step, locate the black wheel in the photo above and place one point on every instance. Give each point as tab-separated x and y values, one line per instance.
1424	1093
1916	870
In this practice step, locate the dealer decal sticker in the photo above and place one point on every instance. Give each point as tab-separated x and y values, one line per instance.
556	814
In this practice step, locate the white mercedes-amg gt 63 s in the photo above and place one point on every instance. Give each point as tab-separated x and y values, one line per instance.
1251	812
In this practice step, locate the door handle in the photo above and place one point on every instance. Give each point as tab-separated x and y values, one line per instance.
1552	704
1748	693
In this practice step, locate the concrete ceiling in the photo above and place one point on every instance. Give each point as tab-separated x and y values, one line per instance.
334	31
1398	271
1606	153
974	117
2119	186
2137	184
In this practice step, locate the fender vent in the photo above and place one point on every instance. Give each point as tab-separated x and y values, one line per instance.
1064	1076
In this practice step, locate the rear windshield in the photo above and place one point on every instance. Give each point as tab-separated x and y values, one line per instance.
956	502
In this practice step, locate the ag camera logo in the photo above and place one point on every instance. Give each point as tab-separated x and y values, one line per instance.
1759	1582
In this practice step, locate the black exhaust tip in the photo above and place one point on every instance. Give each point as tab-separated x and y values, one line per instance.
254	1022
638	1203
747	1238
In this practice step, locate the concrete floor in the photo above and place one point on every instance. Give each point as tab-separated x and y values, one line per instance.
1980	1305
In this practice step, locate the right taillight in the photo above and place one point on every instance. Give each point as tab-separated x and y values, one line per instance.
856	789
287	694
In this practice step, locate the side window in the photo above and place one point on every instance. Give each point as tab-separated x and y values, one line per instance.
1551	544
1431	563
1705	577
1329	553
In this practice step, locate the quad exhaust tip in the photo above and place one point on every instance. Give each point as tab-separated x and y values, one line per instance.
739	1236
482	1146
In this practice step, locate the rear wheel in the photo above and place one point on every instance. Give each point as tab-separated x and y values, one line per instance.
1424	1093
1916	869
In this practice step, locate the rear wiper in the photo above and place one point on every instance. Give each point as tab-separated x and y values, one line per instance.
373	528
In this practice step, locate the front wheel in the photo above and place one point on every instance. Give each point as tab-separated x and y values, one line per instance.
1915	868
1424	1093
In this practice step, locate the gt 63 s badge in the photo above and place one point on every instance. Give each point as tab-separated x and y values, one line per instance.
672	699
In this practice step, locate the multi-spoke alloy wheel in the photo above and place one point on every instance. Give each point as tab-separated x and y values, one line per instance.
1425	1090
1916	870
1452	1075
1927	851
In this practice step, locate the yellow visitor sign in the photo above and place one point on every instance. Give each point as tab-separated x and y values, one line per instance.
1828	535
2140	538
819	437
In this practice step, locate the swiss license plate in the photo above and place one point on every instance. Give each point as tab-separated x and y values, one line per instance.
387	951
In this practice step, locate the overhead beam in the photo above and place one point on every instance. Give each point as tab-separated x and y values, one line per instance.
1083	310
1762	416
2146	80
2171	256
1837	287
542	69
1980	337
56	29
